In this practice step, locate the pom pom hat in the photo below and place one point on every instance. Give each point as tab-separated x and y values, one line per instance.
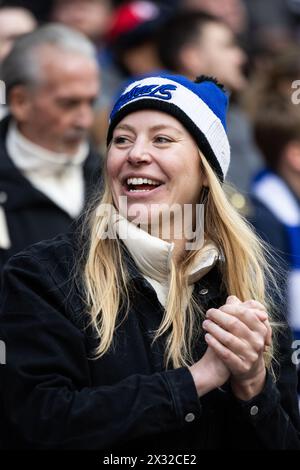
200	107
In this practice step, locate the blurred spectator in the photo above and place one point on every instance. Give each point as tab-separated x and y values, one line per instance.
131	40
276	77
270	22
276	190
39	9
232	12
46	164
194	43
13	23
131	37
93	19
90	17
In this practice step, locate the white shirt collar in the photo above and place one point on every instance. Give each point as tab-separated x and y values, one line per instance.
32	158
59	176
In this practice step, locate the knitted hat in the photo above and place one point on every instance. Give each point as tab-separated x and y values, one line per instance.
200	107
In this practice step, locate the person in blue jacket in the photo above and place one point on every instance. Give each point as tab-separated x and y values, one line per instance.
276	189
275	198
154	327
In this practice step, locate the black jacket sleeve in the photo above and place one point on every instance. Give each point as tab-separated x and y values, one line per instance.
47	393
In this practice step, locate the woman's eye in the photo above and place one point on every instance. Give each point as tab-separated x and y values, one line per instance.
162	139
120	140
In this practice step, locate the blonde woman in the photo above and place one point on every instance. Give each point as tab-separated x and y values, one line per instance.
152	331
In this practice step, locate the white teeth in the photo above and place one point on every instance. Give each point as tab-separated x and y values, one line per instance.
135	181
139	190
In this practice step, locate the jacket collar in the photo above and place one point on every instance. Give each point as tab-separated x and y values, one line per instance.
152	256
209	290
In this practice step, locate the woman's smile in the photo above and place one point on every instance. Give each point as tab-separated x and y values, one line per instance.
141	184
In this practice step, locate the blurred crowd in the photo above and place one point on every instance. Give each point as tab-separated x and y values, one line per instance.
62	63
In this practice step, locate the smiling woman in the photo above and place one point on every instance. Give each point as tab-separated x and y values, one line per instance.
152	146
140	343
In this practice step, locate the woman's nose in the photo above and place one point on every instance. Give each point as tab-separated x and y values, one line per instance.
139	153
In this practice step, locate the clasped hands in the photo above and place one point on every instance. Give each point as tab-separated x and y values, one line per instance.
237	335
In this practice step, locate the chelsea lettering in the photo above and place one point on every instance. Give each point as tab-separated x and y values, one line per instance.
162	92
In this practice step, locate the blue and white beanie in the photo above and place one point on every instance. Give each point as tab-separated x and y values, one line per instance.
200	107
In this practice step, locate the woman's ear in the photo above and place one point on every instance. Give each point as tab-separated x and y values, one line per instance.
204	175
20	103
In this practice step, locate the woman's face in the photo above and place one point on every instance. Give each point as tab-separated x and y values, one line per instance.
155	163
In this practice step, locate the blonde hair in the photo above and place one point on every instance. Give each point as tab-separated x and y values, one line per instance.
106	279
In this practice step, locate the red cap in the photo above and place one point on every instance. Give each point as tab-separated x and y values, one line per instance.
131	16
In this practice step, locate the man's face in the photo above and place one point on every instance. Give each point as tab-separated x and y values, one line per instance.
221	57
58	113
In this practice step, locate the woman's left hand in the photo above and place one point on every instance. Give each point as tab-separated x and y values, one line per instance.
239	333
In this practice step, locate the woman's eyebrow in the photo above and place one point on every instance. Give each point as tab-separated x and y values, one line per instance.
126	127
158	127
161	127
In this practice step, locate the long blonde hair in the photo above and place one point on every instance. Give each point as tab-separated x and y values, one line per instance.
106	279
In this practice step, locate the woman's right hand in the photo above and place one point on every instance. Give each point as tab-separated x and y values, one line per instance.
209	372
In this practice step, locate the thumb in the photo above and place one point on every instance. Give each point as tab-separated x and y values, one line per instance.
232	299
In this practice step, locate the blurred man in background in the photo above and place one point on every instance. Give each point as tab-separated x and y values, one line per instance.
47	167
193	43
276	190
93	18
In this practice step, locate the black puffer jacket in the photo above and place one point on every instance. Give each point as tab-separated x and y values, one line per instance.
54	397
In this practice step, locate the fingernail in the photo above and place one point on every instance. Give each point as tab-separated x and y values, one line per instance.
207	336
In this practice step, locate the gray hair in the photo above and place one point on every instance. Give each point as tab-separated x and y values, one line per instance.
21	66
